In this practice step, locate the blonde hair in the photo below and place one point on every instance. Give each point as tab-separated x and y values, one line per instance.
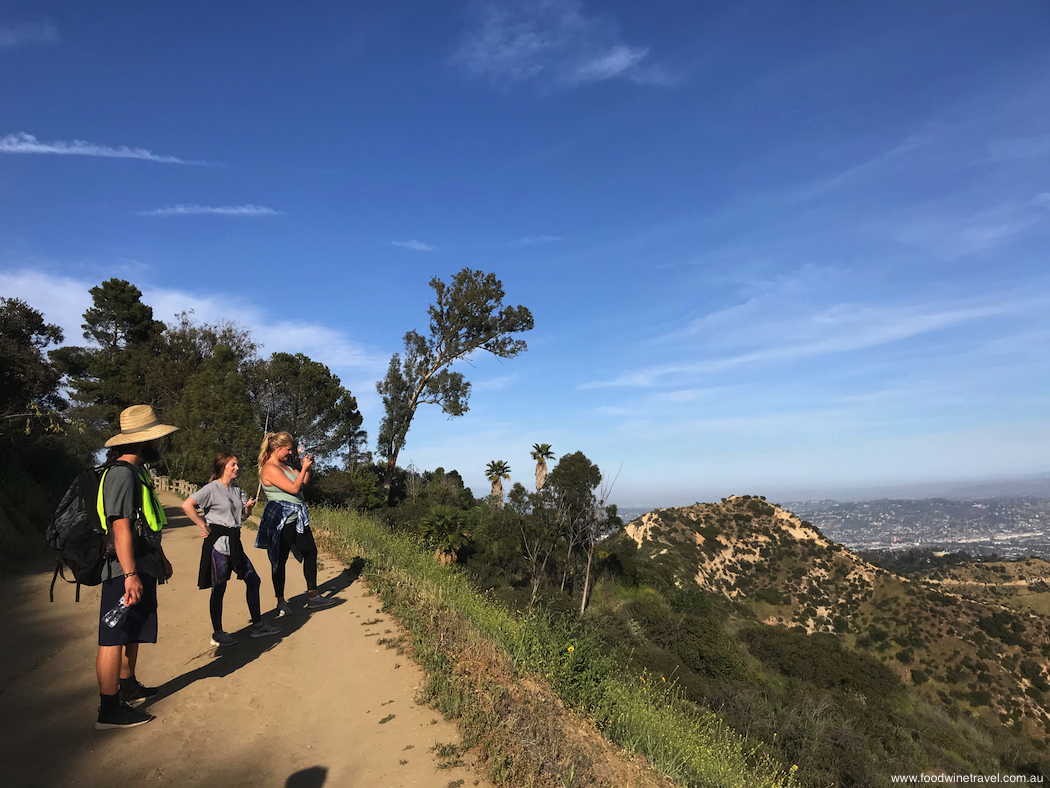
272	442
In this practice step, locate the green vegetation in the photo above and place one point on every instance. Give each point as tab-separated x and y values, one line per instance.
37	462
496	471
728	643
467	315
466	640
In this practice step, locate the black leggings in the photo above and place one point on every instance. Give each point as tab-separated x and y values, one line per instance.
305	542
252	581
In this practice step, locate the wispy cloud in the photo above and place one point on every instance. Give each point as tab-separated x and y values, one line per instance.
1024	148
219	210
415	246
954	233
27	143
63	300
538	239
862	172
497	383
28	33
793	335
555	43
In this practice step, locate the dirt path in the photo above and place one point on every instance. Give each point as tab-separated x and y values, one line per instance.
319	705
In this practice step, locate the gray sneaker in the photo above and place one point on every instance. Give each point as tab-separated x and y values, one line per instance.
263	629
283	609
318	602
223	639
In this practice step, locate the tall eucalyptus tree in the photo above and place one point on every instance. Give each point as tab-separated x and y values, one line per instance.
467	315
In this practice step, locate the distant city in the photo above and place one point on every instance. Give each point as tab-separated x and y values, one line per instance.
1009	527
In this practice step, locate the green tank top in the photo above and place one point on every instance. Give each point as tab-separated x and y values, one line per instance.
277	494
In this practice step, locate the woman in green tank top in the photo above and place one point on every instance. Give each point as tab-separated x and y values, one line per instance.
284	491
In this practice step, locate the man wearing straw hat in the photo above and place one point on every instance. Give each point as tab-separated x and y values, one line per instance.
133	518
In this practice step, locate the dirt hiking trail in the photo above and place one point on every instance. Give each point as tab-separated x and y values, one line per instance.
319	705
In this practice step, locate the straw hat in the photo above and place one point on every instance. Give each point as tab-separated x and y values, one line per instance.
139	424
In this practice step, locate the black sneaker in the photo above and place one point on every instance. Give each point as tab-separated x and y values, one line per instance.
138	694
121	717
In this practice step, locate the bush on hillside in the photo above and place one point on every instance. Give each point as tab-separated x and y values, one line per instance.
821	660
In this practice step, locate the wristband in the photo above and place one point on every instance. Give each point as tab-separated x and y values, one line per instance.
130	574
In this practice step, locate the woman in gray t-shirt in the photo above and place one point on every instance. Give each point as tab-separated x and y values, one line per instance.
222	554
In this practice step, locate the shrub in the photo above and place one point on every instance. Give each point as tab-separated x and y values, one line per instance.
770	596
1004	626
821	660
689	744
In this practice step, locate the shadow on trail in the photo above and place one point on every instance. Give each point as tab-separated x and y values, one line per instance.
229	659
314	777
176	518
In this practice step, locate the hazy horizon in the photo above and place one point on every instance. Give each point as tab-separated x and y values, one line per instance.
1034	486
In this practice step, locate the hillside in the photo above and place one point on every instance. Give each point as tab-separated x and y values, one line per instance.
956	650
1022	585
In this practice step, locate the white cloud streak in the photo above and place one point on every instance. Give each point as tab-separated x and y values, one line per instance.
611	64
27	143
551	42
497	383
415	246
538	239
954	233
218	210
63	300
840	328
28	33
1024	148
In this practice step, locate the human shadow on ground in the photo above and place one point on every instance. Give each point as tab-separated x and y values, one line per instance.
314	777
229	659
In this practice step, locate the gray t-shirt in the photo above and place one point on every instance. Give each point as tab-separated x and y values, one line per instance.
118	497
221	505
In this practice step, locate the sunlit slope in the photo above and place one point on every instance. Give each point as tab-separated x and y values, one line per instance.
978	657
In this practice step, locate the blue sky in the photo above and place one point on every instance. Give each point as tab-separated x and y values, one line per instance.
769	247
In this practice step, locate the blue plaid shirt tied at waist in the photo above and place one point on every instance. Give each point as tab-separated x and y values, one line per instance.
274	518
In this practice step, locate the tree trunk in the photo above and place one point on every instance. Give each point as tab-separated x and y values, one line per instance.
541	474
568	563
537	578
388	479
497	492
397	444
587	580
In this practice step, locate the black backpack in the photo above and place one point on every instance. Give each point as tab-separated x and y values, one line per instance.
75	537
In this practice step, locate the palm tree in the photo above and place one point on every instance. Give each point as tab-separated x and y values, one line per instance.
541	452
445	527
496	472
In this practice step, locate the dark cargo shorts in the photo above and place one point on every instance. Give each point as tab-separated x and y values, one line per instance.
140	624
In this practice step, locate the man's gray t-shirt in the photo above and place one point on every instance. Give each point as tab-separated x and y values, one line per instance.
118	497
221	505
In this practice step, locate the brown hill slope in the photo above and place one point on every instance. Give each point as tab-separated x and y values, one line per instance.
1022	585
978	658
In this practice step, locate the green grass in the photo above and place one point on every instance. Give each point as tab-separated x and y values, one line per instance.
450	620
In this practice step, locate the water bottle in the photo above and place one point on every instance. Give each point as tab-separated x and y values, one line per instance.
244	499
302	450
116	615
